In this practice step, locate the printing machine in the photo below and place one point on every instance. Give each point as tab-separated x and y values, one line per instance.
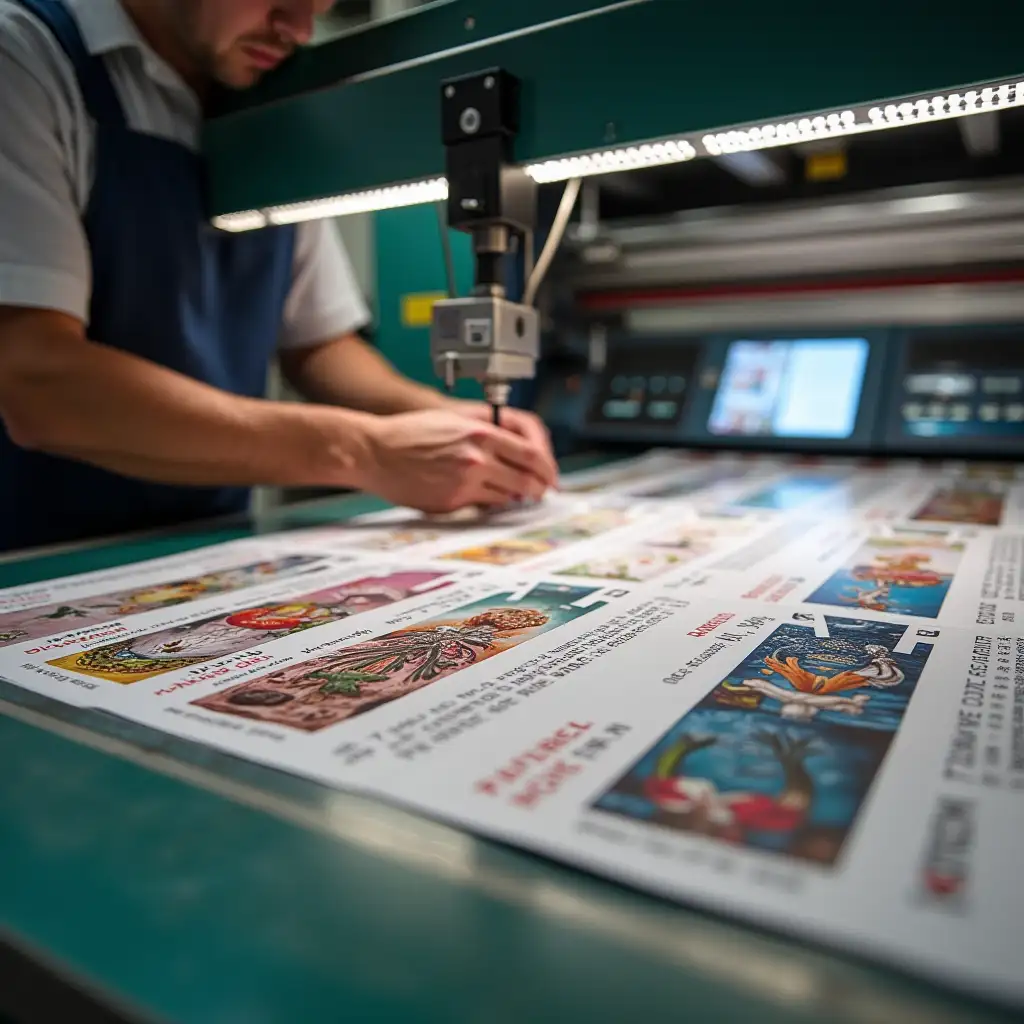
797	229
831	207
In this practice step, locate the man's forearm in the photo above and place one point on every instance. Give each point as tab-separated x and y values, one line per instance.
67	396
350	373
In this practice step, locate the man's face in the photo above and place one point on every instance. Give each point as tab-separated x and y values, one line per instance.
237	41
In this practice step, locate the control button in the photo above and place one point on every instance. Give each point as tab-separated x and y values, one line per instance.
658	385
1013	413
637	383
619	385
662	410
936	411
912	411
676	385
622	409
960	413
950	385
1001	385
988	413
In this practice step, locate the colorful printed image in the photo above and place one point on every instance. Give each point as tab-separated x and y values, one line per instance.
634	565
780	756
386	540
544	539
606	480
363	676
31	623
990	471
611	477
790	493
193	643
905	575
682	488
977	502
659	555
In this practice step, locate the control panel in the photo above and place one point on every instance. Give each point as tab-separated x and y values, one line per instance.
645	387
960	388
912	390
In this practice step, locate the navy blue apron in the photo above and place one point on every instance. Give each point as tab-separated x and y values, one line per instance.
166	286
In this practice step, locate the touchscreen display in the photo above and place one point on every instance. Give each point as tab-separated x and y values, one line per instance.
805	387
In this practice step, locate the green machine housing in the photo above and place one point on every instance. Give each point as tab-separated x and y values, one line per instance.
363	111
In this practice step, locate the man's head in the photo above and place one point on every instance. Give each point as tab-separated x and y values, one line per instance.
235	42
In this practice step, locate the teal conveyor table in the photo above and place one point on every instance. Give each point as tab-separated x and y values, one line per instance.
145	878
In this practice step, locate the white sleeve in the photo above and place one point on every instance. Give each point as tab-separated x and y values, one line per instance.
325	301
44	254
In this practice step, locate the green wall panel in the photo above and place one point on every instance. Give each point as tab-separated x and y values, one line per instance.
635	73
410	261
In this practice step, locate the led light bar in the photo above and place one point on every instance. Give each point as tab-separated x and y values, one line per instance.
859	120
244	220
653	154
829	125
391	197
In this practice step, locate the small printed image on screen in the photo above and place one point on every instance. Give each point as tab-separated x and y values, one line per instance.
806	387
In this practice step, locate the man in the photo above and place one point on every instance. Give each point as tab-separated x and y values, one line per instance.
135	339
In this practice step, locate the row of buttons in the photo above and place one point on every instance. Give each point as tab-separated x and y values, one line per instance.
630	409
952	385
622	385
990	412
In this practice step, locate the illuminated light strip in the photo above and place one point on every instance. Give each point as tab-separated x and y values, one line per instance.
245	220
391	197
433	190
653	154
841	123
836	124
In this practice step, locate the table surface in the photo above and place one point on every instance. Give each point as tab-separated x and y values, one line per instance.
182	884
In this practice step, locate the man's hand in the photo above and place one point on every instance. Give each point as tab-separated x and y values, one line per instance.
443	460
524	424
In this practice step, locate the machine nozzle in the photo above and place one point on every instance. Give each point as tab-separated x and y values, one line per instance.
497	393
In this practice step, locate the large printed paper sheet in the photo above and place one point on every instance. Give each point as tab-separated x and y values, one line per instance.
787	690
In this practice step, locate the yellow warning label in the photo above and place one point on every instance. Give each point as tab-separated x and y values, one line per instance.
826	166
418	308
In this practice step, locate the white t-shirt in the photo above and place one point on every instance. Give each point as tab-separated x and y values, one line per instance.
47	143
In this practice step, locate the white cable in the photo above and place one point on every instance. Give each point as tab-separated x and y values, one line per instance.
558	226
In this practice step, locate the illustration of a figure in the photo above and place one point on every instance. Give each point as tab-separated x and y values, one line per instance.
192	643
429	652
975	502
168	595
731	815
886	572
763	760
356	679
504	552
542	539
634	566
813	692
48	619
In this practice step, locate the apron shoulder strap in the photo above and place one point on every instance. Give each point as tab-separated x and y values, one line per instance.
97	89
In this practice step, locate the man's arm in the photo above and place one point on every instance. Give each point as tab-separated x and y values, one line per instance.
348	372
66	395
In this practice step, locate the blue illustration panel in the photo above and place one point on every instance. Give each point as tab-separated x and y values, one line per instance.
906	575
781	754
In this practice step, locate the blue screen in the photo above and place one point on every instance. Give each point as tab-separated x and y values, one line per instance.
805	387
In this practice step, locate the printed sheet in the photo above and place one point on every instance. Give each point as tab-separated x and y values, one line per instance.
787	690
